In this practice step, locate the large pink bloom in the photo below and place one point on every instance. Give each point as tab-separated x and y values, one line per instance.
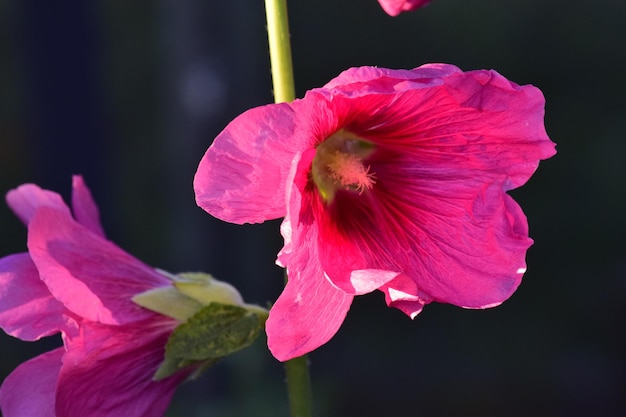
393	180
75	282
395	7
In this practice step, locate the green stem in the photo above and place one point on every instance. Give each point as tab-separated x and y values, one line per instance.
297	369
280	50
299	386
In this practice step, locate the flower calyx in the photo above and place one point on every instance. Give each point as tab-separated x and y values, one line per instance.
215	322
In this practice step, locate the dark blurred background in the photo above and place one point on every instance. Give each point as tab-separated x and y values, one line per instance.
130	94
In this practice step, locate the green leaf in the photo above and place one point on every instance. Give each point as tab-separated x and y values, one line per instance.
217	330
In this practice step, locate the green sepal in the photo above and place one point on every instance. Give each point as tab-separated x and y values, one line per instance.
205	289
169	302
215	331
171	365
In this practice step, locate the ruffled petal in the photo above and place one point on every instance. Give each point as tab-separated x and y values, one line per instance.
28	310
460	243
466	249
476	257
438	213
91	276
402	293
107	372
27	198
242	176
310	309
30	389
499	128
476	123
84	207
361	81
346	261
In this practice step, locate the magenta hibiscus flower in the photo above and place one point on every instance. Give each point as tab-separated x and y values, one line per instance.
395	7
390	180
75	282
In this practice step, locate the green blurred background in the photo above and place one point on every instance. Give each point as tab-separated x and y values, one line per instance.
130	94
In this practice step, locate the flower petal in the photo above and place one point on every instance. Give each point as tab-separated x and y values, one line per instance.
107	372
502	130
30	389
476	121
475	259
84	207
465	249
310	309
460	245
90	275
27	198
347	260
445	156
402	293
395	7
361	81
242	176
28	309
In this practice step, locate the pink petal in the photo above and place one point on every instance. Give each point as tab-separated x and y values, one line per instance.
308	313
502	131
242	176
27	198
91	276
360	81
402	293
108	372
459	246
344	253
410	308
470	256
476	259
29	391
28	310
438	212
395	7
347	261
310	309
84	207
476	121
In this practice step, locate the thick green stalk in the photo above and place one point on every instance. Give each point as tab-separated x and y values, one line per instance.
297	369
280	50
299	386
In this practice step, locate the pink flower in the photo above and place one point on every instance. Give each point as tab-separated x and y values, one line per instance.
395	7
390	180
75	282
